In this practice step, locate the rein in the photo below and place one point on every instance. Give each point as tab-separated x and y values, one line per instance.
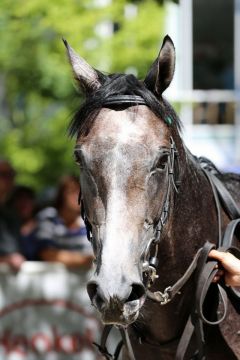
201	267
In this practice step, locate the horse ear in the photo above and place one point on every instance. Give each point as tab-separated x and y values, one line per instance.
87	77
161	72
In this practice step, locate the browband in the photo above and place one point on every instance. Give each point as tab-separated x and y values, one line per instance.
124	99
130	100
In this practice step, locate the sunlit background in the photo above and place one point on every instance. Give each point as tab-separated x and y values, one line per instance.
45	311
38	98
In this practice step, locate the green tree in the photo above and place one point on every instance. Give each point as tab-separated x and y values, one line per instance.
36	92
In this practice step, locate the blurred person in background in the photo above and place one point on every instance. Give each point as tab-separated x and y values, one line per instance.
23	203
61	233
9	231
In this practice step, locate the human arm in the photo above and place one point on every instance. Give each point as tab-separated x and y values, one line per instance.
71	259
14	260
231	266
54	245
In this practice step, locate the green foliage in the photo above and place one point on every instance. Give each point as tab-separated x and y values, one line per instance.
36	90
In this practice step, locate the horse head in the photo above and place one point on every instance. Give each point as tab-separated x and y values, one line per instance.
126	152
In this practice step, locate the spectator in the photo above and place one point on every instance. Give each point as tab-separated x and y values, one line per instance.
61	232
7	177
23	203
9	232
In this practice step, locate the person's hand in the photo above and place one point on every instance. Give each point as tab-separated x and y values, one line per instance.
14	260
231	266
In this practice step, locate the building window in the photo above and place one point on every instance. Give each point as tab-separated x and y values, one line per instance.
213	59
214	113
213	44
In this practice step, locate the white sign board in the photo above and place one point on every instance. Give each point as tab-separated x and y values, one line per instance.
45	314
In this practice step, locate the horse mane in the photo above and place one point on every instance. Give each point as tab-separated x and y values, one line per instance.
229	176
229	179
118	84
209	165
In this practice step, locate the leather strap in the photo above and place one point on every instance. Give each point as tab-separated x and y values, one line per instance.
230	232
209	176
194	325
124	341
102	346
124	99
227	200
185	339
171	291
204	279
233	230
127	343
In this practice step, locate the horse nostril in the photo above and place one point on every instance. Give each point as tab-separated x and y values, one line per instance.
92	289
137	292
94	294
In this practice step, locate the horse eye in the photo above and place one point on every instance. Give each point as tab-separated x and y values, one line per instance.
162	162
77	158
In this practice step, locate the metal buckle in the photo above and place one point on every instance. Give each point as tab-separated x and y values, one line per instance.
164	297
152	275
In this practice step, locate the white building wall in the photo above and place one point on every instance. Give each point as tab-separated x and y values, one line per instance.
221	143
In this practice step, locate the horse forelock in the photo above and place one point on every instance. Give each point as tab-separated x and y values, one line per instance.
119	84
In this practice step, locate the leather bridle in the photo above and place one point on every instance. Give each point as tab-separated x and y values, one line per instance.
150	263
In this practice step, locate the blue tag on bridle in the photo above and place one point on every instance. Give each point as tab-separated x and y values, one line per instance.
168	120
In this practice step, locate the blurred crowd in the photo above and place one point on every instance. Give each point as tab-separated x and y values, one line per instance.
30	231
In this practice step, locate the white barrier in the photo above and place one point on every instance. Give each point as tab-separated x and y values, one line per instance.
45	314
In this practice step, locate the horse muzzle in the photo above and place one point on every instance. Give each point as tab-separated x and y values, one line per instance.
119	308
